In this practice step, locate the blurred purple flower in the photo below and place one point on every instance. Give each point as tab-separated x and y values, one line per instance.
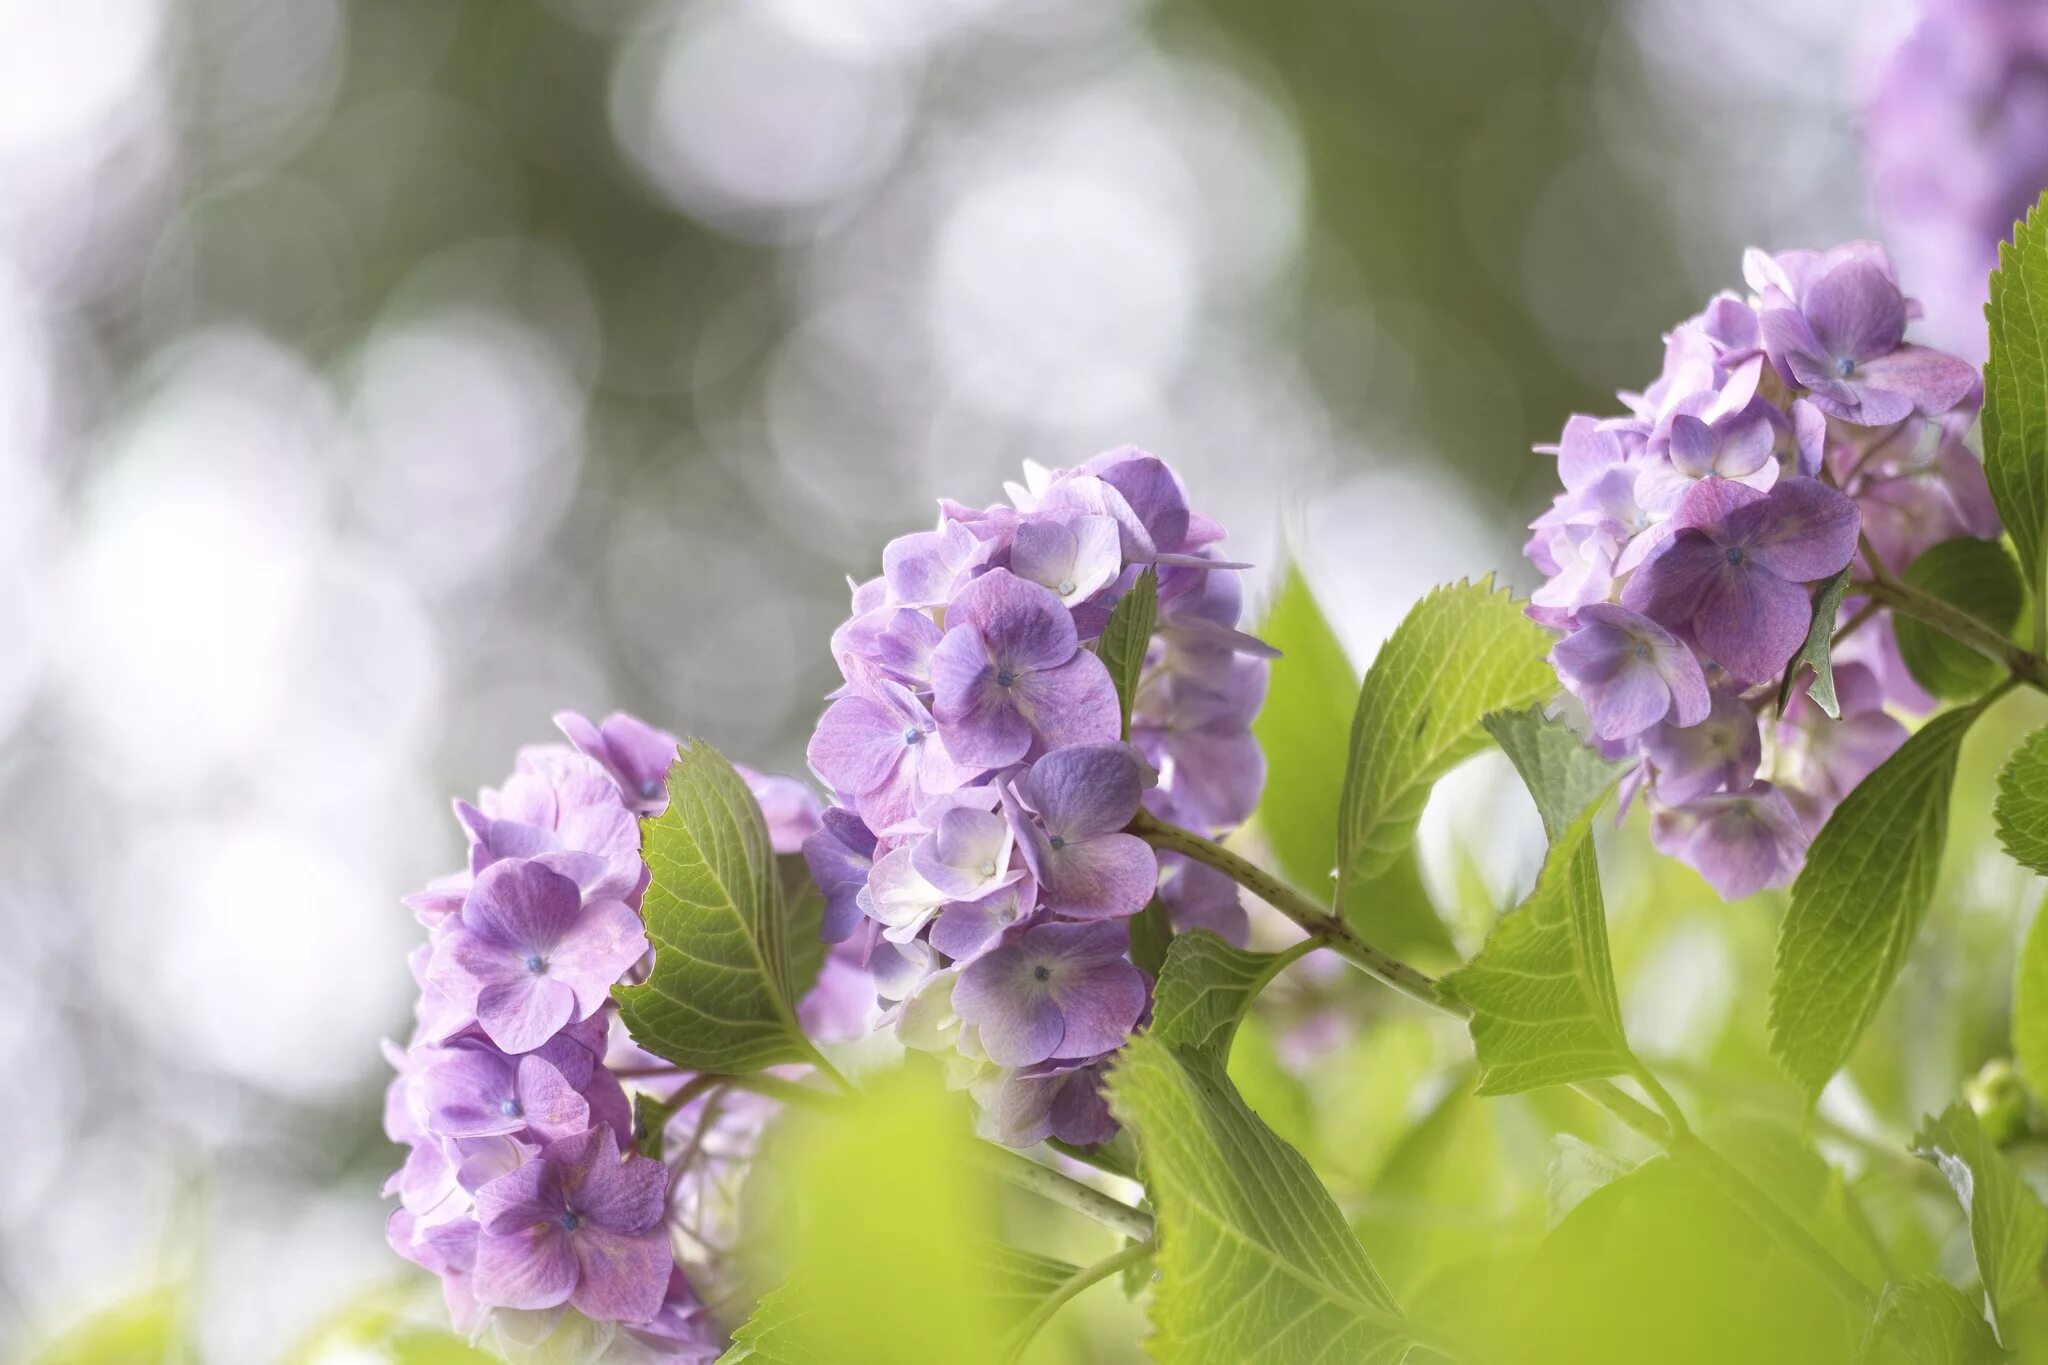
1720	753
1741	842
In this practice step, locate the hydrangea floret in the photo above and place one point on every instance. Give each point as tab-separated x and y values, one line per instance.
1794	433
522	1188
977	853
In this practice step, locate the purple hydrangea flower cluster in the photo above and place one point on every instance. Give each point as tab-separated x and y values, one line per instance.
977	857
1791	433
1956	150
521	1189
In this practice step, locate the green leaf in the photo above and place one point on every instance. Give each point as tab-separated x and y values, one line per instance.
1929	1321
1979	577
1563	773
718	998
1544	1008
1818	651
2016	391
1577	1169
2022	806
1310	700
1151	937
1126	638
1859	901
2008	1225
1255	1259
1463	651
1660	1265
2030	1005
1206	986
884	1243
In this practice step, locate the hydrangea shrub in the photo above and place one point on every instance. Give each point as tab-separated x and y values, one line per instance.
1776	601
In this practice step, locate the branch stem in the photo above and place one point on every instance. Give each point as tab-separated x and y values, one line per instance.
1320	923
1064	1190
1130	1254
1951	620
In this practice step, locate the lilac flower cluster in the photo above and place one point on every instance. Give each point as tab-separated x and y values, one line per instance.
520	1188
977	856
1956	149
1791	433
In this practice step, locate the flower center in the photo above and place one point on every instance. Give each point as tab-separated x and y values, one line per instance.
510	1109
1734	554
913	735
570	1222
1057	841
1642	649
988	868
536	964
1041	972
1846	366
1066	588
1004	677
650	789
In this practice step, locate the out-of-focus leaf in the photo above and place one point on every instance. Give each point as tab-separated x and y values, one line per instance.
1544	1009
1929	1321
1016	1281
1268	1088
1977	576
1564	774
886	1261
1205	988
1310	701
720	995
2008	1224
1775	1159
2030	1005
1463	651
1660	1265
148	1329
2022	806
1126	638
1255	1260
1818	651
1577	1168
2016	392
1859	901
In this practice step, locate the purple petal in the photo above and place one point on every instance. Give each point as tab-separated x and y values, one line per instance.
857	745
1023	626
534	1267
527	1194
605	940
1018	1026
967	855
1933	381
978	718
550	1105
623	1277
1105	877
1693	445
1671	585
1856	312
1710	502
625	1196
1099	1006
521	1014
1750	622
1801	531
466	1091
521	906
1085	789
1073	704
839	856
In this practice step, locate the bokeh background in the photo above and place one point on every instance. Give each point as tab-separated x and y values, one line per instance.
378	377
